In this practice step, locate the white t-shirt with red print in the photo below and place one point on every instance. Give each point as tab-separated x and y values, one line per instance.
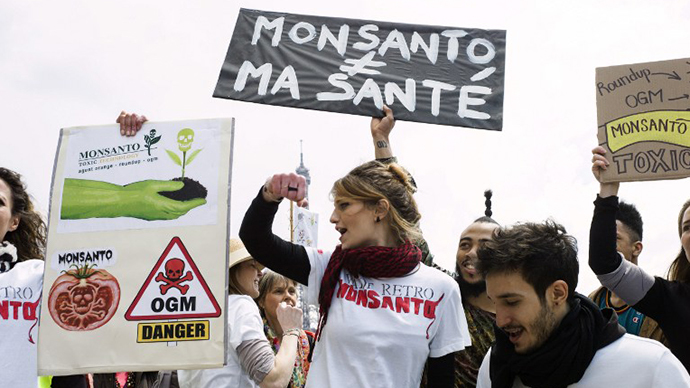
244	324
20	295
380	331
630	362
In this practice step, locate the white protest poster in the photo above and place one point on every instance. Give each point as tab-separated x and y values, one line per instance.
305	227
135	274
304	230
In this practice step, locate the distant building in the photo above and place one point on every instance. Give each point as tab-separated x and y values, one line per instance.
303	170
310	313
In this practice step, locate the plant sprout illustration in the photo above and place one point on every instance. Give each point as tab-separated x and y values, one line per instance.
151	139
184	142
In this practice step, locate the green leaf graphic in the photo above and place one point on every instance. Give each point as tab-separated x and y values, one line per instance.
193	155
174	157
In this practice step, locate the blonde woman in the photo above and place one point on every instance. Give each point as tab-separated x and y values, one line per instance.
383	312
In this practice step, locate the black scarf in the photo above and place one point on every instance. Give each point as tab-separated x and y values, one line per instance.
564	357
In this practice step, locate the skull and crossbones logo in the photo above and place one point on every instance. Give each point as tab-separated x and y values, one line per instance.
173	276
184	139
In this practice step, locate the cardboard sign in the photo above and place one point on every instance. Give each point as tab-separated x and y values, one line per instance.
137	237
439	75
643	114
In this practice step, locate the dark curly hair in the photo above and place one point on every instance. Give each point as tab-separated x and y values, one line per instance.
30	236
487	210
629	216
542	253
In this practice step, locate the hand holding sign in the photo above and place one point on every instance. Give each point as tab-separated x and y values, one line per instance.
130	123
380	130
382	127
599	165
290	186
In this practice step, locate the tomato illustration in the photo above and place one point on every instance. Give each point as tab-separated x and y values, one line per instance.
83	298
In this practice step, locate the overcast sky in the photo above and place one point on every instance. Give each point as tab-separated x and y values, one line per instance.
73	63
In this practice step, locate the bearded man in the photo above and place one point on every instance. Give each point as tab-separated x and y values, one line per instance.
547	335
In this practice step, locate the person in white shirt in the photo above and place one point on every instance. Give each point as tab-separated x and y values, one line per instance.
250	361
22	240
383	312
547	335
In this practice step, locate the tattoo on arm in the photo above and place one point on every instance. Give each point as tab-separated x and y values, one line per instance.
381	144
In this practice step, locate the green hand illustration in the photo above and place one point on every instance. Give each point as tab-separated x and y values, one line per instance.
93	199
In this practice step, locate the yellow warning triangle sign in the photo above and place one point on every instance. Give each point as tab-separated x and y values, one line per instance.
175	289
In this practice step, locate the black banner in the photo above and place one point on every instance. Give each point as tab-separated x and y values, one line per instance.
431	74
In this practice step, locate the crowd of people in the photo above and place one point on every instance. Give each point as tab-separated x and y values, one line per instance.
508	316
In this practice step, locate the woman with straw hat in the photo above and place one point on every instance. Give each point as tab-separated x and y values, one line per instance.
250	361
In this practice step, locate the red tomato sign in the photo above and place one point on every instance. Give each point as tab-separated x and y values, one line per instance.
83	298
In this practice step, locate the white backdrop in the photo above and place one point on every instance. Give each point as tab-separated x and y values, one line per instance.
80	62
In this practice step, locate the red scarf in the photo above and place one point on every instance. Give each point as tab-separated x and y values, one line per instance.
374	262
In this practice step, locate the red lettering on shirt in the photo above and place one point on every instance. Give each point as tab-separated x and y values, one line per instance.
351	294
430	312
362	297
430	308
15	308
342	288
12	309
417	303
398	304
387	303
402	305
374	301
